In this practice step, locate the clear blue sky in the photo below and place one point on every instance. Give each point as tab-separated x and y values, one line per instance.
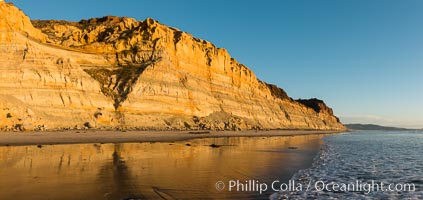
364	58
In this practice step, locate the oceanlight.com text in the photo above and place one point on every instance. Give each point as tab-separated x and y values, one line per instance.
366	187
318	186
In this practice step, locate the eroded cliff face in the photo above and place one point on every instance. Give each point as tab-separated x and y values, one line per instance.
118	72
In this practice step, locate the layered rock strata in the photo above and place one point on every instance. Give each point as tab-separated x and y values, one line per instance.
114	72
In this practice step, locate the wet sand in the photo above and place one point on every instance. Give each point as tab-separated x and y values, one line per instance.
98	136
151	170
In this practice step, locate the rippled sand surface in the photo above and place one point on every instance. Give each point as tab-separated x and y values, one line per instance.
167	170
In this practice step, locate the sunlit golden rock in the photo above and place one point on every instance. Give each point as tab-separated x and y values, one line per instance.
118	72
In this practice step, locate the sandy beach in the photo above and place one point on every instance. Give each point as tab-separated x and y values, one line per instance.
99	136
186	169
93	164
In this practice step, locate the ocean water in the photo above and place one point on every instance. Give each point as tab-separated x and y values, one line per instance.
363	165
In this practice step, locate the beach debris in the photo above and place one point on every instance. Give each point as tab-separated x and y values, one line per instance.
40	128
292	147
19	127
87	125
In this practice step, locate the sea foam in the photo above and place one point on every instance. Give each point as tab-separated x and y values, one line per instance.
364	161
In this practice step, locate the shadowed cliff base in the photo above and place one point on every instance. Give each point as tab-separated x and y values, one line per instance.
117	72
98	136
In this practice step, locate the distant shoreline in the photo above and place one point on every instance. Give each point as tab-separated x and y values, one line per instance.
101	136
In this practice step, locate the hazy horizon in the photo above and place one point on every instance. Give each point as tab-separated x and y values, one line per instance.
363	58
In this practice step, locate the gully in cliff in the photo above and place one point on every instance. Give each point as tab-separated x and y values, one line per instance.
141	75
128	106
113	107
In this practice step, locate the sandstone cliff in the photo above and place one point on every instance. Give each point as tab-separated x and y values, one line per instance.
118	72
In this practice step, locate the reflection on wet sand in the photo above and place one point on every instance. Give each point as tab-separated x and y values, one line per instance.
180	170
